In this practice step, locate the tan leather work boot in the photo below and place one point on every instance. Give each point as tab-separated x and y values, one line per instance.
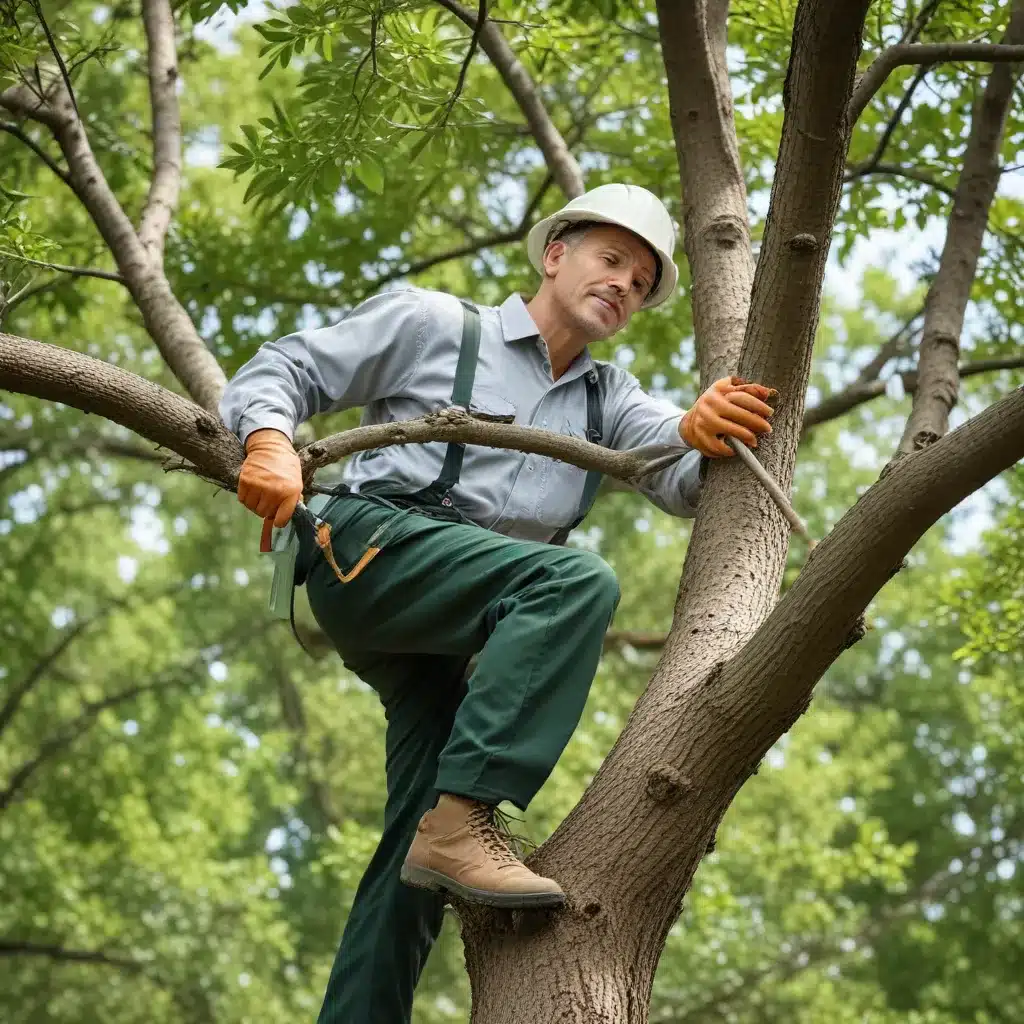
459	850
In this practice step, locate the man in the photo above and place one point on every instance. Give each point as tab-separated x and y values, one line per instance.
444	552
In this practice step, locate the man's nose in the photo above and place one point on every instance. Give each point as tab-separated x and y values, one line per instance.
617	281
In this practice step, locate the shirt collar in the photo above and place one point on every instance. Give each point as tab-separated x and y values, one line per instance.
516	322
517	325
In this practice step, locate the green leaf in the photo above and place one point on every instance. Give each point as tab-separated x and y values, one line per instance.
370	173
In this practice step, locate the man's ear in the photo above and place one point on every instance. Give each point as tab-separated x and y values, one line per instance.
554	254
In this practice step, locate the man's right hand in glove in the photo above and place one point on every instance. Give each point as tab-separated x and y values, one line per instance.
731	407
270	481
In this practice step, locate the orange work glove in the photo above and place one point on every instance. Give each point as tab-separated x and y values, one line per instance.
270	481
731	406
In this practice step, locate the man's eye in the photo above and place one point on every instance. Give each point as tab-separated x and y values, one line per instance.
639	285
610	260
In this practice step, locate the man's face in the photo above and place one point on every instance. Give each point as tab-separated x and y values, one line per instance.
601	282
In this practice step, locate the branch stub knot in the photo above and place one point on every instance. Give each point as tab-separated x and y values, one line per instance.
666	784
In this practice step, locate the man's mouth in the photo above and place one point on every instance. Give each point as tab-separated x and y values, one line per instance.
608	305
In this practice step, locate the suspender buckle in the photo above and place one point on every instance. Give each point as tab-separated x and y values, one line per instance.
593	436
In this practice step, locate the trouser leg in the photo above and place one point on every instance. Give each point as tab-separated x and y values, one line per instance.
392	927
536	613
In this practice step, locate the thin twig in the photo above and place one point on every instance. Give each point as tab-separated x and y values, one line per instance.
24	294
890	348
767	481
894	122
863	391
524	89
481	18
918	25
895	171
20	134
52	43
103	275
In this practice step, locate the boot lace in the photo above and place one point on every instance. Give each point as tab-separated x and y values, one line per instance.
493	828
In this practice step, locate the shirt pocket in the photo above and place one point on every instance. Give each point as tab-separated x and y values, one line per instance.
489	405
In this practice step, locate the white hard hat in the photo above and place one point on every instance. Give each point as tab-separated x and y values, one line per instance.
630	207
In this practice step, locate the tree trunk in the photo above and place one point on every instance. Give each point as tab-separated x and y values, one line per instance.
627	853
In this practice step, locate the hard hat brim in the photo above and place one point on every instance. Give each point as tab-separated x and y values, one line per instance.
536	243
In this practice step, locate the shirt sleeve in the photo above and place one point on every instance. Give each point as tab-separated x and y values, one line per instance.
634	418
372	353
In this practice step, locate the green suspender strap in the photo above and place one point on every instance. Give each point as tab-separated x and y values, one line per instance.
595	431
439	492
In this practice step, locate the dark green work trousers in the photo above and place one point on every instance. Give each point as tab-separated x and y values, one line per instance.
438	593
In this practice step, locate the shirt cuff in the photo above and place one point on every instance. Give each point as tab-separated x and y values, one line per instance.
251	422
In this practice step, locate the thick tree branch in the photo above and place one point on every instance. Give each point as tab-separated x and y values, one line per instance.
557	155
779	336
716	232
163	80
789	653
950	291
165	318
82	382
926	53
22	136
864	549
63	375
456	425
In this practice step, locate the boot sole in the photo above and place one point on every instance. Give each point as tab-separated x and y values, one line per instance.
424	878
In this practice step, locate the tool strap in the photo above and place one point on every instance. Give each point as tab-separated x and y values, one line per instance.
595	432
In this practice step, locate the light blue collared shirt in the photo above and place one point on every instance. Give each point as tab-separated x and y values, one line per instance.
396	354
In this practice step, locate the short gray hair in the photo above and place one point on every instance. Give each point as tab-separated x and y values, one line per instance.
570	232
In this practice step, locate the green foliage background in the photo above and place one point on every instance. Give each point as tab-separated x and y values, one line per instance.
187	801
